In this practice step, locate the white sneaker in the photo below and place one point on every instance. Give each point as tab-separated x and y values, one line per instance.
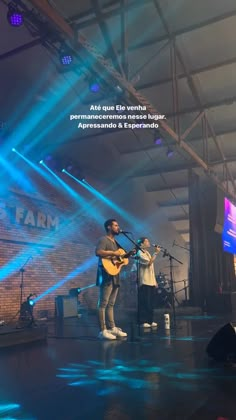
117	332
106	335
154	324
146	325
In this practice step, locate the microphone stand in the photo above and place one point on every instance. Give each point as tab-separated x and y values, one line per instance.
171	258
137	247
180	246
131	240
22	270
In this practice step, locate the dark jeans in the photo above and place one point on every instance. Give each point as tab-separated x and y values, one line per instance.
146	295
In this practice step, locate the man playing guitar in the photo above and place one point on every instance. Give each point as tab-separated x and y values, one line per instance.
109	264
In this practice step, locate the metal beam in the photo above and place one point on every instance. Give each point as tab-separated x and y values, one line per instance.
21	48
190	110
195	72
80	20
179	218
144	148
194	123
110	13
168	188
177	202
185	30
176	168
206	106
182	231
105	32
164	170
124	40
155	147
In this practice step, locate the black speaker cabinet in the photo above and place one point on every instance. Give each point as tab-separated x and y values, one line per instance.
222	346
66	306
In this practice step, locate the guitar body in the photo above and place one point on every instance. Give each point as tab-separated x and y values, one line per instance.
113	265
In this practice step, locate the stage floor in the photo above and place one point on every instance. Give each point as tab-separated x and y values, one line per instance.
152	375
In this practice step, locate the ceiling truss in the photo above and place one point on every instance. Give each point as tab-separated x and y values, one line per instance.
77	40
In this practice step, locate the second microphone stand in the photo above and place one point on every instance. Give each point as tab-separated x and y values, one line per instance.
137	247
171	259
22	270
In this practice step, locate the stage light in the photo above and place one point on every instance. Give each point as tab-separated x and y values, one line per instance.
26	310
14	16
94	87
74	173
118	107
169	152
48	158
66	57
41	162
69	165
157	138
119	89
75	291
13	149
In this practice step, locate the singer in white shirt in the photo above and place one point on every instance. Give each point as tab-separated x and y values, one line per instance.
146	283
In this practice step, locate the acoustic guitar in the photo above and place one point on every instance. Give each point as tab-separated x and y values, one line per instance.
113	265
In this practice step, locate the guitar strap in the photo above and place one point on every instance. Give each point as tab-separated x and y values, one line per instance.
119	246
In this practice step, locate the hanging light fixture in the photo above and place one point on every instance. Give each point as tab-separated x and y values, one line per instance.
14	16
157	138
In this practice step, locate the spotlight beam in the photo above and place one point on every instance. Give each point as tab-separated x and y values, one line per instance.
101	197
79	270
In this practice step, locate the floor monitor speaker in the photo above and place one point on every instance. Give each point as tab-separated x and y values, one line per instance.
222	346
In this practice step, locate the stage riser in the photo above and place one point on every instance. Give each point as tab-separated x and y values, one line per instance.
13	337
224	303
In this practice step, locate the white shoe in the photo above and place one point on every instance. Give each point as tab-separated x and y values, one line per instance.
106	335
154	324
146	325
117	332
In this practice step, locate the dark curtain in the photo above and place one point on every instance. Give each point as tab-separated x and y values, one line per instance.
212	269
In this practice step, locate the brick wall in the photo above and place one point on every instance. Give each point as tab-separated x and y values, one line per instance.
62	254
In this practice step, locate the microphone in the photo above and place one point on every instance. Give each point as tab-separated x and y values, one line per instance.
124	231
165	253
157	246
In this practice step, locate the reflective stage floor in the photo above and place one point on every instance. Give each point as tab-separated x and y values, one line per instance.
153	374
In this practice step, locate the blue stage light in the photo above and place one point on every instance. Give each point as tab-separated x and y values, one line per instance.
66	59
94	87
14	16
158	139
169	152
